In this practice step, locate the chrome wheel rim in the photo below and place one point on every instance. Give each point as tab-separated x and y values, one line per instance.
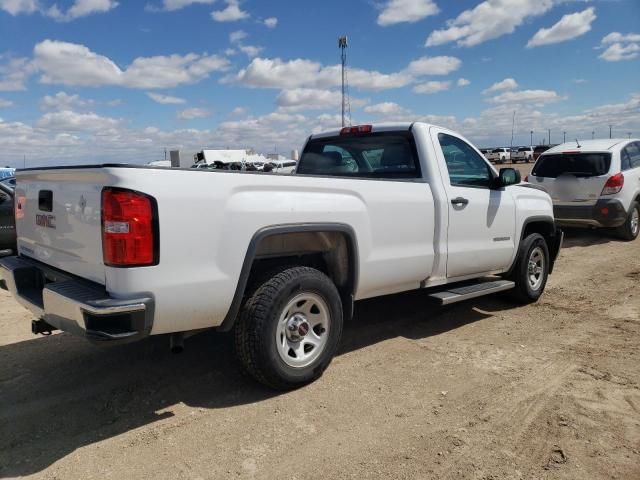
535	269
303	330
635	221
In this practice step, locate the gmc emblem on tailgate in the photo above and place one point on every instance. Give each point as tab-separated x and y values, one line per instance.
48	221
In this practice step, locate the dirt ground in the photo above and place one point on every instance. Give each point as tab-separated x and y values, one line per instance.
480	390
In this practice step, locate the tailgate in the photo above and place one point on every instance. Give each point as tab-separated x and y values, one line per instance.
58	219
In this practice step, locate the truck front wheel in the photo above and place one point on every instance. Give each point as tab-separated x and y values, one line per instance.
289	328
532	269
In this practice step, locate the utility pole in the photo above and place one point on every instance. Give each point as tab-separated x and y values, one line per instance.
343	43
531	142
513	124
610	127
564	137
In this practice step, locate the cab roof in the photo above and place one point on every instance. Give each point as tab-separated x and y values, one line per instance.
599	145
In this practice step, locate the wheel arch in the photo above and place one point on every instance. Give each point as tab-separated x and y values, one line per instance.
333	244
545	226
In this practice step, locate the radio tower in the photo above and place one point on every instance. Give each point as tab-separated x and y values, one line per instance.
343	43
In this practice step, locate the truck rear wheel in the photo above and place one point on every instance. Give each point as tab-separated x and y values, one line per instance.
289	328
532	269
630	229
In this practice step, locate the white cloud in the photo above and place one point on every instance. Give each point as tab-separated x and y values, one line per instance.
5	103
506	84
70	121
250	50
81	8
63	101
434	66
171	5
302	73
300	99
165	99
232	13
192	113
488	20
237	36
386	109
73	64
431	87
15	73
238	111
618	52
620	46
16	7
463	82
271	22
617	37
539	97
400	11
568	27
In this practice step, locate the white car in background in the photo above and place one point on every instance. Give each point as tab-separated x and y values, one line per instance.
594	183
524	154
499	155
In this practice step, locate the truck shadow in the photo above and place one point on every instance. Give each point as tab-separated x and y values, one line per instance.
59	394
585	237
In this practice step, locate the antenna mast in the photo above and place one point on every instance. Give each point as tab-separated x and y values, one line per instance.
343	43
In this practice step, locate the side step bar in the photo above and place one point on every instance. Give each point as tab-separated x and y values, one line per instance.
455	295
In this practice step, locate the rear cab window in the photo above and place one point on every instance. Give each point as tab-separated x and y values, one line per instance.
384	155
579	164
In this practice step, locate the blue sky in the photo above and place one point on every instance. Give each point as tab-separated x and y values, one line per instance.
101	80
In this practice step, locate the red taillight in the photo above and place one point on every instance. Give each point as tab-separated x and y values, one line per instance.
356	129
526	178
128	229
614	184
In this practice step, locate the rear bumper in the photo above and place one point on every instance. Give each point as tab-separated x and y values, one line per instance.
74	305
605	213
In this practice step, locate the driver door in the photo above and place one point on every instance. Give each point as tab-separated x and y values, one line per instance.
481	226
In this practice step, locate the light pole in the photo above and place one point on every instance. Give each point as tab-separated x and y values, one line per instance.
628	134
564	137
549	136
531	142
593	134
610	127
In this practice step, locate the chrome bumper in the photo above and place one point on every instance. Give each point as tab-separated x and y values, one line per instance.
74	305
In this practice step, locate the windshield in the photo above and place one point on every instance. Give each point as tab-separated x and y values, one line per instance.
524	149
377	155
498	150
578	164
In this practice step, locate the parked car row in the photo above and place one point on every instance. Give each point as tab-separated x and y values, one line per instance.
524	154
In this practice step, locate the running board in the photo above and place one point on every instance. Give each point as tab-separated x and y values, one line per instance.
455	295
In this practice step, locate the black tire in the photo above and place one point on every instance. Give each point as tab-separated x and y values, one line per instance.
524	292
255	328
626	231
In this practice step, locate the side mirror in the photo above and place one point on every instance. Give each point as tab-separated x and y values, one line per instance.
509	176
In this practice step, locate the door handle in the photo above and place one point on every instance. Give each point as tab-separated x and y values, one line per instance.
459	201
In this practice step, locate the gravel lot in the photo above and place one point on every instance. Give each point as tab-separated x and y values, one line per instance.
480	390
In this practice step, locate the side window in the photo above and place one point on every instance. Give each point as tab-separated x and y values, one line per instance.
466	167
625	160
633	154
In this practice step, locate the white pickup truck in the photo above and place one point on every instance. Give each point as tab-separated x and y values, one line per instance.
116	253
